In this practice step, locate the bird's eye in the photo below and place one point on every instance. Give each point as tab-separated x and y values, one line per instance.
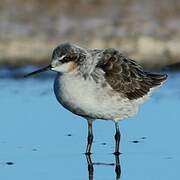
64	60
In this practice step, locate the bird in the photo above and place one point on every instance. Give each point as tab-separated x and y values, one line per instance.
100	84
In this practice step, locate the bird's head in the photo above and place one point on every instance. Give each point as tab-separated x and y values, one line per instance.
65	59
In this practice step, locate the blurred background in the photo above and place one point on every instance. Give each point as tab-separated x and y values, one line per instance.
39	139
146	30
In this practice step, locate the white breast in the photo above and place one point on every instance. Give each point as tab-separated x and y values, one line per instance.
87	98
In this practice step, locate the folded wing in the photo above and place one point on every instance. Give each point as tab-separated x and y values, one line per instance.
126	76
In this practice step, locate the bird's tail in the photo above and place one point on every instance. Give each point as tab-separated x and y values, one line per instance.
156	79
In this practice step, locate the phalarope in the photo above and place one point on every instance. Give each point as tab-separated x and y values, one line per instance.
100	84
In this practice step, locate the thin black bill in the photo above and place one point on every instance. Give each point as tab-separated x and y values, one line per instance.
38	71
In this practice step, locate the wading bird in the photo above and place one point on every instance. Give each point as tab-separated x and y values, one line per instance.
100	84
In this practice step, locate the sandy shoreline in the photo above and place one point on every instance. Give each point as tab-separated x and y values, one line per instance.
147	31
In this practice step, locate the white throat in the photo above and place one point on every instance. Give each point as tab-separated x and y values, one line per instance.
65	67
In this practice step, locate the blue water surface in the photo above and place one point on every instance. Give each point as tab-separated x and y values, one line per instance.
40	140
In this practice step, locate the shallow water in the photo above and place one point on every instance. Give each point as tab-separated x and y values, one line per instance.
39	139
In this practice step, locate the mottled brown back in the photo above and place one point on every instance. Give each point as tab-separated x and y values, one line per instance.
126	76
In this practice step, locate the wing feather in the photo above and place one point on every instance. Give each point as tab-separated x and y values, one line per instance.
126	76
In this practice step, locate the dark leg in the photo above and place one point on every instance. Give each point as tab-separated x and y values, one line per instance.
89	138
117	139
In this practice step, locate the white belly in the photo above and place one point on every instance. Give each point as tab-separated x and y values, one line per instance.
87	98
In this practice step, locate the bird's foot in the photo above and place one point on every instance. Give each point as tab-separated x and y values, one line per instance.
117	153
88	153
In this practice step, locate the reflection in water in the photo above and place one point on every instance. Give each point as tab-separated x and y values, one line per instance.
91	166
117	167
